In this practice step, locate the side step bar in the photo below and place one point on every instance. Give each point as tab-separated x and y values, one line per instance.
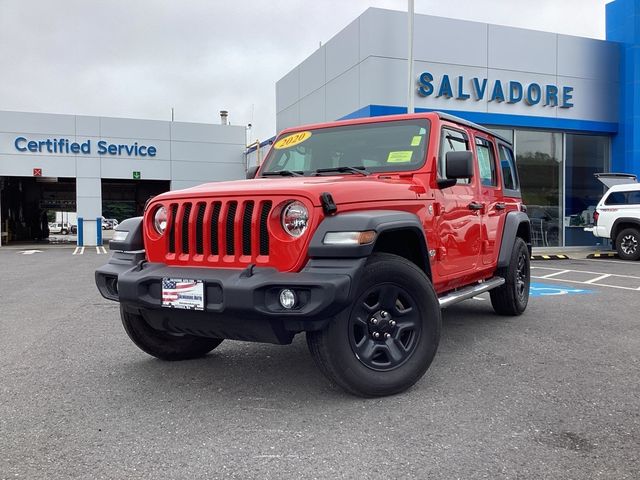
469	292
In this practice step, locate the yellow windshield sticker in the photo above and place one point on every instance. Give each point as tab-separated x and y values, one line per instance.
400	157
292	140
416	140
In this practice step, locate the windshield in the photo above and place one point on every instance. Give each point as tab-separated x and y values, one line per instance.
374	147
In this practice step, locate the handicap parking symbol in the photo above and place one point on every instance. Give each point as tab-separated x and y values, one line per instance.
549	290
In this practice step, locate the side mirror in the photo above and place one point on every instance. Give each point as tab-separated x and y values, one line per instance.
251	172
457	165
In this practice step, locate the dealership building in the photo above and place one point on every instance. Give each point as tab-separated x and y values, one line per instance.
570	105
102	167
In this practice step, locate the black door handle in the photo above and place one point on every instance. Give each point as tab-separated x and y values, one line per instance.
475	206
501	206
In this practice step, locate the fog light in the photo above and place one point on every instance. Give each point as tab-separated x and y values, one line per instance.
287	298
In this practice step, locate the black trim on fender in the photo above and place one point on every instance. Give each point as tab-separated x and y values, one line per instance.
378	220
134	241
512	223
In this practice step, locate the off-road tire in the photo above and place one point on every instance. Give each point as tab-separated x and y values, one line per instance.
512	297
397	288
163	345
628	244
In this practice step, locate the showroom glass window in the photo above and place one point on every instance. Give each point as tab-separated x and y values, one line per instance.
539	162
584	156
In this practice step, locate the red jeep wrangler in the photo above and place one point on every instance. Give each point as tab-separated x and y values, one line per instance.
356	232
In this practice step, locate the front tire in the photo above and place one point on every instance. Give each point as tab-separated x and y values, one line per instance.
386	341
628	244
163	345
512	297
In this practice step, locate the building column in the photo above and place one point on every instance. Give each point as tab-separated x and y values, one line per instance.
623	26
89	199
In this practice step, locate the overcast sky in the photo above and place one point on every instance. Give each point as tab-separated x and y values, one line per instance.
139	58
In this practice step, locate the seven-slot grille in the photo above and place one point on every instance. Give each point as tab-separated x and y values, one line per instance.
219	227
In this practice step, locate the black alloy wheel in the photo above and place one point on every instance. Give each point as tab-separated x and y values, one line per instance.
512	297
522	274
384	327
385	341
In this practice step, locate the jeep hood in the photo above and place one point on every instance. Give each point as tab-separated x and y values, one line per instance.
343	189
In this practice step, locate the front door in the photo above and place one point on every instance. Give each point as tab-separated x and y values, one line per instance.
458	219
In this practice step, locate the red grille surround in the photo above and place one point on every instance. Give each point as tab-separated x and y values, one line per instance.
225	232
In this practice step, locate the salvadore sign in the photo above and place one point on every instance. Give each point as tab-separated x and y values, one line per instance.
66	146
481	89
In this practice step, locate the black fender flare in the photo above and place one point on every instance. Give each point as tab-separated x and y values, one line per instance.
512	224
134	241
381	221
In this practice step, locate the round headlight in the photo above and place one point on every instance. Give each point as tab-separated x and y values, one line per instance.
295	218
160	220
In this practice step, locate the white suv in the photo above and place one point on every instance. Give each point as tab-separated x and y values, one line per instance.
617	214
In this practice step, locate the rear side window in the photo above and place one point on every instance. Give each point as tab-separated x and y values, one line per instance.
623	198
486	162
508	167
451	141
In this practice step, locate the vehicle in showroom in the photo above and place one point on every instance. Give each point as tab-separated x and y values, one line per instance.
617	215
355	232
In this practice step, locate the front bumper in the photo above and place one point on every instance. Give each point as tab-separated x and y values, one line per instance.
239	304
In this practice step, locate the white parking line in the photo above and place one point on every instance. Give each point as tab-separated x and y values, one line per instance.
103	250
585	271
599	276
597	279
554	273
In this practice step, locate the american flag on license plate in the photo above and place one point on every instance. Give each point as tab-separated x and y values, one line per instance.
171	289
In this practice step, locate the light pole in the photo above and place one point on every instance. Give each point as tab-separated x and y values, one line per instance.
410	92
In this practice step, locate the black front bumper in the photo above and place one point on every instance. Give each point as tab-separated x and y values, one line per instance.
239	304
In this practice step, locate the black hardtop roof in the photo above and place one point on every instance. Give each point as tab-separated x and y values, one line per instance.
453	118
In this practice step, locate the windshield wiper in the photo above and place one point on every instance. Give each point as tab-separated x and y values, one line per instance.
283	173
359	169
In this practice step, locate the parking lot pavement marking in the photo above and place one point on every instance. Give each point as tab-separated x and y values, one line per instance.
599	276
554	273
30	252
597	279
104	250
546	290
78	251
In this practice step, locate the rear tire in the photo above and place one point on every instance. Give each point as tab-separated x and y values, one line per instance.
163	345
512	297
384	357
628	244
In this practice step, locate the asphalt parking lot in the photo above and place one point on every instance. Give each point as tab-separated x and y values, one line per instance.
551	394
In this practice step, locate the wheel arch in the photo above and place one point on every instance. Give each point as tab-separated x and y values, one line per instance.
516	224
397	232
622	223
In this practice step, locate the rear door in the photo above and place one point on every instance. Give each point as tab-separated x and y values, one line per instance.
493	206
458	221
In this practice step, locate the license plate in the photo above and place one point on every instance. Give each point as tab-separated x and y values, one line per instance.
183	293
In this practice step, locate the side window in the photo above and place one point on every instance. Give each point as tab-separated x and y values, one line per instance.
634	198
486	162
508	167
451	141
618	198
